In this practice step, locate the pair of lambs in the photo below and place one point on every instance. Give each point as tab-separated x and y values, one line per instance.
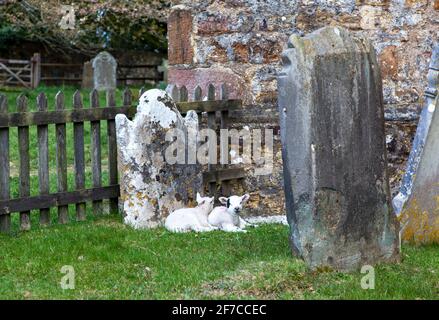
206	218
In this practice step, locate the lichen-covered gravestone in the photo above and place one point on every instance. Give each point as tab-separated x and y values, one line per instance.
104	71
420	215
334	156
155	179
417	203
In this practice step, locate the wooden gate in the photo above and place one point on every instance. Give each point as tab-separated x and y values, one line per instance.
24	73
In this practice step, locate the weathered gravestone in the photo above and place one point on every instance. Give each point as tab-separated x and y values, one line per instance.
334	156
87	76
104	71
417	203
155	179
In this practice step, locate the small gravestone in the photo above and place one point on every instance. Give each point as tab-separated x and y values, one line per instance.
417	203
87	76
155	180
334	157
104	71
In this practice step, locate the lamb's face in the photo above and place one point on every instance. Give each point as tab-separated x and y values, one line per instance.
205	202
234	204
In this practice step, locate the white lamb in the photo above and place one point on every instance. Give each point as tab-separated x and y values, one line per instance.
227	217
188	219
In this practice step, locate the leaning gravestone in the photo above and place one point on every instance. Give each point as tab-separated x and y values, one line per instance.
334	156
155	180
104	71
417	203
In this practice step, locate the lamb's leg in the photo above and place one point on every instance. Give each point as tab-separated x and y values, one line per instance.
208	226
203	229
231	228
212	228
179	230
244	224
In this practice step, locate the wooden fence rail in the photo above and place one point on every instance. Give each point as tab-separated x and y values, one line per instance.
214	177
57	73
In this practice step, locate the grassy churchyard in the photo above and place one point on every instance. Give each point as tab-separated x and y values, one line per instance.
113	261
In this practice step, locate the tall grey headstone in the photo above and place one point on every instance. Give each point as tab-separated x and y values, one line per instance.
417	202
154	179
334	157
104	71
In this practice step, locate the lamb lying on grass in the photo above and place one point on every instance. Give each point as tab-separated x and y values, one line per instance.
227	218
191	219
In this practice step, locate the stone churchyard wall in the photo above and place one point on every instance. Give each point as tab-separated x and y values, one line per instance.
240	42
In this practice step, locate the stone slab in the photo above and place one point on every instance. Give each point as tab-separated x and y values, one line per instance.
334	157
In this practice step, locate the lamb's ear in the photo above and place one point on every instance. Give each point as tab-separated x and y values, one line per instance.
245	198
198	197
222	200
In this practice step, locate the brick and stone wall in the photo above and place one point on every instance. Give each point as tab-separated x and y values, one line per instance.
239	42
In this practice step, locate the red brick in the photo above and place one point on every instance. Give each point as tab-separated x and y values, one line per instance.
180	50
236	85
211	24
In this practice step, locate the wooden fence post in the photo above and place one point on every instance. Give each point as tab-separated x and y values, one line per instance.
183	94
183	97
211	118
78	134
198	96
96	152
141	91
112	151
224	141
23	146
172	90
61	159
5	220
43	159
35	70
127	98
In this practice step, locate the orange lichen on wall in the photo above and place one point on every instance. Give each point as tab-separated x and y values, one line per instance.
419	226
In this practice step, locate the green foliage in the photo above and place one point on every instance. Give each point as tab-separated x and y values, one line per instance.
99	24
9	35
113	30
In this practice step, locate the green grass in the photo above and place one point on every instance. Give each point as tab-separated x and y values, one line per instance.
113	261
